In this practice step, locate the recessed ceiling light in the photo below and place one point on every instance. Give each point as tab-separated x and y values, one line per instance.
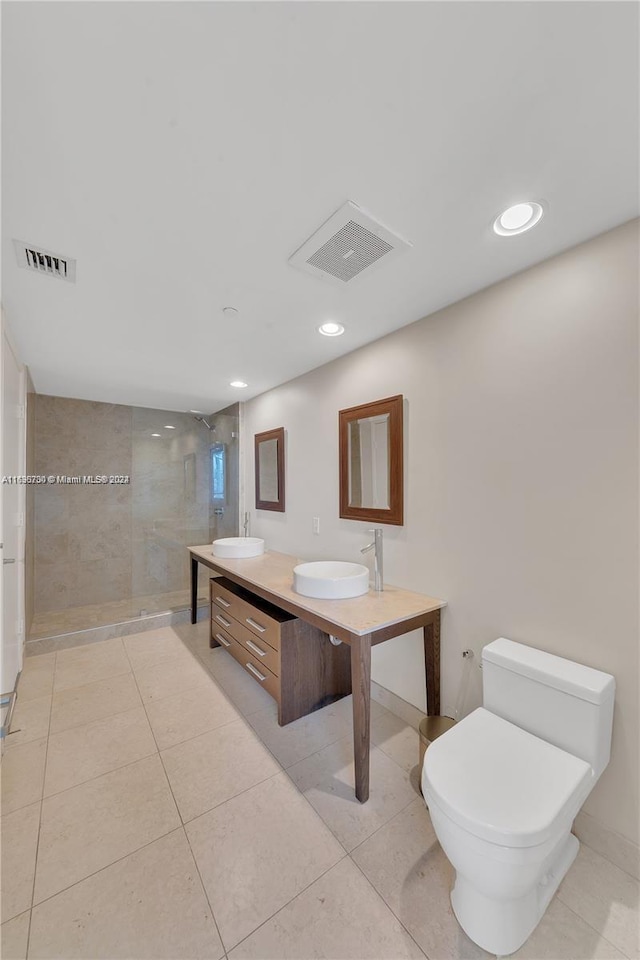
230	312
238	383
331	329
518	218
168	426
156	434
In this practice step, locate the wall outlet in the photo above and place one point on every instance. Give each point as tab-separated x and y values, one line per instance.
316	524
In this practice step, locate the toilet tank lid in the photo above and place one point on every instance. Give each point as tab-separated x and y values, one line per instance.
565	675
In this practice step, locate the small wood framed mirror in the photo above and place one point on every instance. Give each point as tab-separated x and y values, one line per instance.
269	462
371	462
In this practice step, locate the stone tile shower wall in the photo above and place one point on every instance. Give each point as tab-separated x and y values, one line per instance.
96	544
83	542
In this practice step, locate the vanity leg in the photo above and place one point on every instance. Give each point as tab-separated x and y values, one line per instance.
194	589
361	688
432	664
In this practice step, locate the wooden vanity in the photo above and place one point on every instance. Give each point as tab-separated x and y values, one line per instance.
280	638
293	660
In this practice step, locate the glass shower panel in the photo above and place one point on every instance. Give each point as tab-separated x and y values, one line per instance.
224	472
185	488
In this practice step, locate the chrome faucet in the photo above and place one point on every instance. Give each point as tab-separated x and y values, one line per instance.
246	524
376	545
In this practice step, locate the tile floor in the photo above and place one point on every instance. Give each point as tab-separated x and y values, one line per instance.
152	808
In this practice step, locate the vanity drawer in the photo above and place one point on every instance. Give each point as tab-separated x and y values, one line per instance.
254	668
225	599
224	639
263	653
259	622
256	646
220	619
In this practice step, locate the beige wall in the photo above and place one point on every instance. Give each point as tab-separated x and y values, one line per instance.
521	495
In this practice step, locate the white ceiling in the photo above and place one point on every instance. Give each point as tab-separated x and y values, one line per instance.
182	151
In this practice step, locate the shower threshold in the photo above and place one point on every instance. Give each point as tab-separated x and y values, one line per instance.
59	623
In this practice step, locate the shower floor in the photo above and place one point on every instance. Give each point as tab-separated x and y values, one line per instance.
58	622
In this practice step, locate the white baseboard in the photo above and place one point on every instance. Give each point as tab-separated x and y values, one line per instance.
395	704
616	848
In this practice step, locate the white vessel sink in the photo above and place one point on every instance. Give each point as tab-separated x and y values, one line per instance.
237	548
331	579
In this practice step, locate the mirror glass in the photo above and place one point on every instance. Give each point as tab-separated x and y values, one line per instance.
371	462
269	469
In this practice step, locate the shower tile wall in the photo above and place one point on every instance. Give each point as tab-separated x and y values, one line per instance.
99	546
83	548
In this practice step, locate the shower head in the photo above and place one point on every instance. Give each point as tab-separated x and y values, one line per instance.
206	422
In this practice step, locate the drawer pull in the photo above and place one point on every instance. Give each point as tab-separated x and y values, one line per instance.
222	601
225	623
256	649
223	640
257	626
256	673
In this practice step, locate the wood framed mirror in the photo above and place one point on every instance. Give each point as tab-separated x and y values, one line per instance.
371	462
269	465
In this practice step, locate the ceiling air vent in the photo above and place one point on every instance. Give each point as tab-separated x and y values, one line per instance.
45	262
348	244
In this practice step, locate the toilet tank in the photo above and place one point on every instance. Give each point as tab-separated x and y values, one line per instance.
562	702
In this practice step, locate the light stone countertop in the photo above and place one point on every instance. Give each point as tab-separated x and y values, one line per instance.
273	572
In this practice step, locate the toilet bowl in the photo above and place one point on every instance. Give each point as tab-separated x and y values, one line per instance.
503	799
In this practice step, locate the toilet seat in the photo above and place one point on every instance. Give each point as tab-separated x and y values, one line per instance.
503	784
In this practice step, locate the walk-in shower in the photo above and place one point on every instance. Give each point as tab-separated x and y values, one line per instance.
108	553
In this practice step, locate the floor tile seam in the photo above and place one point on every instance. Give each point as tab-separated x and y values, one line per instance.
266	746
155	663
333	743
44	777
204	890
99	776
191	686
315	752
91	683
23	743
400	767
389	907
106	866
288	902
317	813
383	825
168	782
41	797
81	783
88	723
186	690
229	799
591	926
76	686
202	733
31	699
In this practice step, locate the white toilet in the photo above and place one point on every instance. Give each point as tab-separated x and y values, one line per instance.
504	785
